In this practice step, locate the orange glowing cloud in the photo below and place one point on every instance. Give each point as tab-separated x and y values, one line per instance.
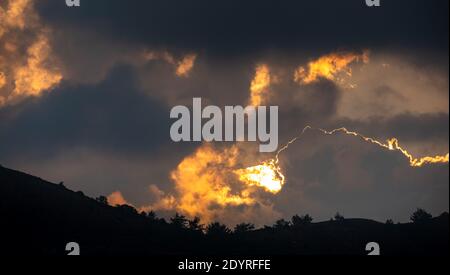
259	85
331	67
2	80
116	198
13	16
163	201
267	175
27	67
186	65
203	180
182	67
210	184
33	77
391	145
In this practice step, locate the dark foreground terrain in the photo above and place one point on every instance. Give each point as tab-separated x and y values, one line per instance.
38	217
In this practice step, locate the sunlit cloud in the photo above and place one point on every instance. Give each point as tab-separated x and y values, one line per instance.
32	78
182	66
2	80
27	66
13	16
207	185
334	67
186	65
203	182
116	198
259	88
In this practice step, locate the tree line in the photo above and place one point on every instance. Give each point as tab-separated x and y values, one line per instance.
218	229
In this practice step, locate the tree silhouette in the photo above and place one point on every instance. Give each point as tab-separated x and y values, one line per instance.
216	229
338	217
195	225
243	228
179	221
420	216
102	200
299	221
281	224
151	215
29	202
390	222
127	209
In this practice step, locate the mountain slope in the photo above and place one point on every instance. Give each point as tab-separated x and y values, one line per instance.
40	218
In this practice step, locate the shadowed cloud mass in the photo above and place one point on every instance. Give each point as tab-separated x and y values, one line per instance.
97	84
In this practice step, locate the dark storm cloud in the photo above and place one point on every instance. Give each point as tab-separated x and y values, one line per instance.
328	174
106	128
407	127
235	26
110	116
302	106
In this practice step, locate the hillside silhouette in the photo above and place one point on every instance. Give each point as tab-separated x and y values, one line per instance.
40	218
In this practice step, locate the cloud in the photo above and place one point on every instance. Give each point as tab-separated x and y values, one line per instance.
182	67
104	127
328	174
14	15
116	198
234	28
27	65
32	78
331	66
186	65
115	155
260	85
410	83
410	127
111	116
2	80
207	186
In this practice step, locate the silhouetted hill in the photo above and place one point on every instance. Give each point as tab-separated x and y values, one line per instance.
38	217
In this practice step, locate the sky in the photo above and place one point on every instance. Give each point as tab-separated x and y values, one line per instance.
86	94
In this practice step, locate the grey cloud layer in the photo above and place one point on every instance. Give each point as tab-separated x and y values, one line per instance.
110	116
236	27
106	127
